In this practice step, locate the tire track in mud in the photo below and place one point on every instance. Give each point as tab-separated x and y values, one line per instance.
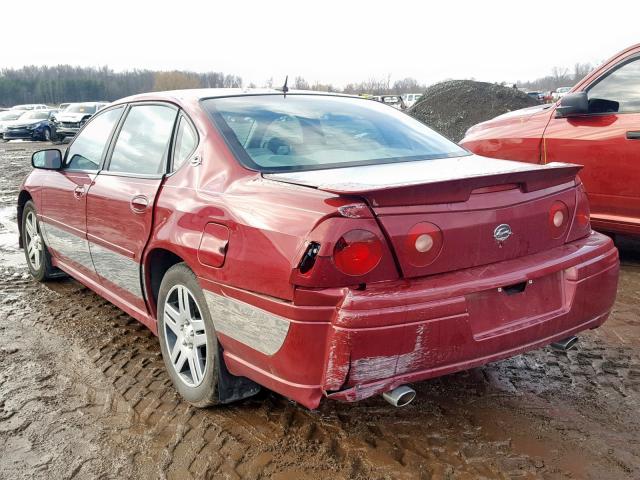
85	395
268	435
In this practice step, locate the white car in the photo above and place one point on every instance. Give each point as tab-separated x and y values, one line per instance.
411	98
8	117
74	117
561	92
30	106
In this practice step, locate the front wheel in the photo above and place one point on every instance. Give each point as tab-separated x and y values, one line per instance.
35	251
46	134
187	337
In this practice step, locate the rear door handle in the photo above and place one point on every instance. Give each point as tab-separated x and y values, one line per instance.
633	135
139	204
79	191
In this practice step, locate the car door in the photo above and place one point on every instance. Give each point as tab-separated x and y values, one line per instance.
607	143
63	204
121	199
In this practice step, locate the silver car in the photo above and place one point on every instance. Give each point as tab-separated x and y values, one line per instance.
75	116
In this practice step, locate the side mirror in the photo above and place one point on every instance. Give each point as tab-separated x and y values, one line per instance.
50	159
573	104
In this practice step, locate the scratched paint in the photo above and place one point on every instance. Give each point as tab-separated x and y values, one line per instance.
256	328
379	367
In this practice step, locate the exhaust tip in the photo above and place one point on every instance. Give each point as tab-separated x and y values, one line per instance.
400	396
565	344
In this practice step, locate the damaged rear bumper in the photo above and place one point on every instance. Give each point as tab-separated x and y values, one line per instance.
452	322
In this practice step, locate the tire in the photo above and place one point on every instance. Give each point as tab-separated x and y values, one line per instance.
35	250
46	134
190	336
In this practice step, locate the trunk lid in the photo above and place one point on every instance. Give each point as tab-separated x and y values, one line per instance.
467	205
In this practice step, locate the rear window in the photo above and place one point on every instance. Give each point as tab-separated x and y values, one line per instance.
271	133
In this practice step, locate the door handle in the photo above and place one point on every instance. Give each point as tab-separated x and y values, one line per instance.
139	204
79	191
633	135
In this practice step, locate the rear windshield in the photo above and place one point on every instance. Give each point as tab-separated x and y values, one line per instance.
271	133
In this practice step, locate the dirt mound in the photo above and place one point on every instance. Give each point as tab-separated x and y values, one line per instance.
453	106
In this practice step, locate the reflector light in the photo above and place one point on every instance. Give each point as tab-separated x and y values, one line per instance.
558	215
357	252
558	218
423	243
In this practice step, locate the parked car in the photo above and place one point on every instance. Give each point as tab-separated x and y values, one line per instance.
411	98
30	106
69	122
394	101
537	95
596	125
560	92
63	106
316	244
9	117
33	125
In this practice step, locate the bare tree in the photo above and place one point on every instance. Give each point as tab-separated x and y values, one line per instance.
580	70
300	84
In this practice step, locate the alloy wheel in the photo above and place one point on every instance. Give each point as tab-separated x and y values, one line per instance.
33	242
185	335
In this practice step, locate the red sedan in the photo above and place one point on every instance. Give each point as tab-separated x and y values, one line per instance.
596	125
315	244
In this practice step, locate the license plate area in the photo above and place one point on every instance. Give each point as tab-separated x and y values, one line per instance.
516	304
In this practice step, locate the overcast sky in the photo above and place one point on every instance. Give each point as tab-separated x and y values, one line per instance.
332	42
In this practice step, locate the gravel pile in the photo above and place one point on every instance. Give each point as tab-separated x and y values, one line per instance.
453	106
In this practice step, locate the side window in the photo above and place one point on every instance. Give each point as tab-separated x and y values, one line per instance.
143	141
617	92
185	144
86	150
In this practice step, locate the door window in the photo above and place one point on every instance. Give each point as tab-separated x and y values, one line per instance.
85	153
185	144
143	141
617	92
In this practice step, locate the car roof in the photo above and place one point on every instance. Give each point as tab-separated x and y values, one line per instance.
202	93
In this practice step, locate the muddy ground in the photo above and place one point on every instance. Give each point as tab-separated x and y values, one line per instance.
84	394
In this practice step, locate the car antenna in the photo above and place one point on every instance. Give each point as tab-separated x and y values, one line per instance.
285	89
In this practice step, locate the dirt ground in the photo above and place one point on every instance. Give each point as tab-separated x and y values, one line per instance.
84	394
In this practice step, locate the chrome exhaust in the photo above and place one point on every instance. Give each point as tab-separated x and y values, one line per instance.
565	344
400	396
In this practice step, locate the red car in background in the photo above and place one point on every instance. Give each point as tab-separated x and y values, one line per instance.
596	125
316	244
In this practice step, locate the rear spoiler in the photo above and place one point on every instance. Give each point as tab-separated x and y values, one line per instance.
431	181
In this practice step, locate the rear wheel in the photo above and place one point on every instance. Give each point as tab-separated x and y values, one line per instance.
35	251
187	337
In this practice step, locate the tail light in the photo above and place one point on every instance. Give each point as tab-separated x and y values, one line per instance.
582	221
558	219
423	243
357	252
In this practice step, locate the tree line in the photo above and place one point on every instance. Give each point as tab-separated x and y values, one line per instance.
65	83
